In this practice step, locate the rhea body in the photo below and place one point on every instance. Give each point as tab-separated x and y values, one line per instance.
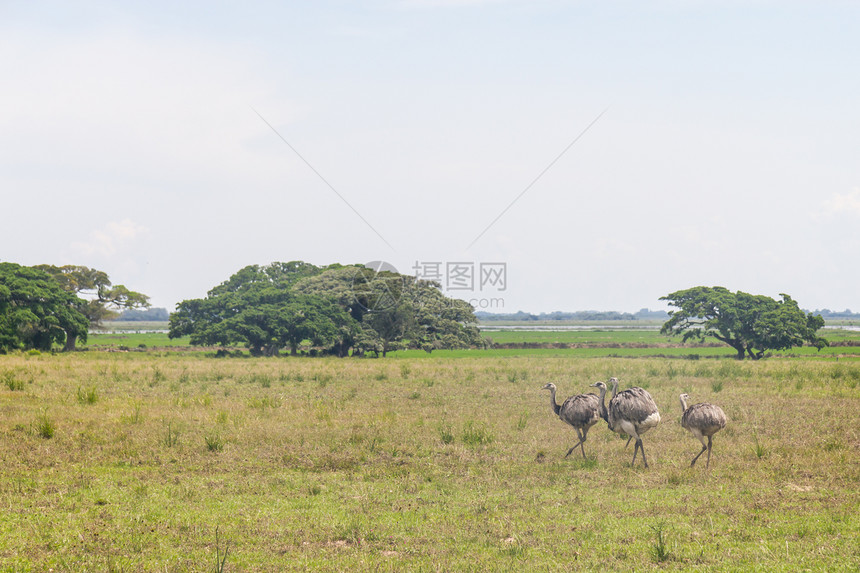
703	421
632	412
580	411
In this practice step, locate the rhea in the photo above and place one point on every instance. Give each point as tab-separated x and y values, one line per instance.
631	412
703	421
580	411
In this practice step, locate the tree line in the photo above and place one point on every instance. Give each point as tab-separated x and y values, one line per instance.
346	309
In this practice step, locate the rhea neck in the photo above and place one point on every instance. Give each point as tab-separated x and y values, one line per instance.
683	404
555	407
602	403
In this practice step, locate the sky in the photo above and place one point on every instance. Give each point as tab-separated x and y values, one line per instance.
533	155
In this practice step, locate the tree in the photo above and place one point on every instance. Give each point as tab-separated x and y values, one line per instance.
337	307
258	308
391	326
103	300
36	311
277	274
751	324
442	322
337	284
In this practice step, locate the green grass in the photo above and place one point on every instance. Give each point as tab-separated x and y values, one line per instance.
453	463
598	341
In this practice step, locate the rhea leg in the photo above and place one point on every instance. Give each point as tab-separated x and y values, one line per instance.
708	464
699	454
704	447
581	439
641	447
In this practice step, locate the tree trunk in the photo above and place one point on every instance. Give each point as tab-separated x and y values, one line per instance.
71	341
755	355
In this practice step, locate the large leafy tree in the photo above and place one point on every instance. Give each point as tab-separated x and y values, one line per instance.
346	286
257	307
440	321
751	324
36	311
396	311
336	307
102	299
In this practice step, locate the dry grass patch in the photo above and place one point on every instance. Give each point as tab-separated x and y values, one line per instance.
421	464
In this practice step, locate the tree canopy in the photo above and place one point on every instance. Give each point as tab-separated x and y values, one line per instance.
36	311
103	299
337	308
751	324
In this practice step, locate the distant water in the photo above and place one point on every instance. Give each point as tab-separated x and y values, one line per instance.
565	327
131	331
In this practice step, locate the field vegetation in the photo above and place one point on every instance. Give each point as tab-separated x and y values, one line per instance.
169	461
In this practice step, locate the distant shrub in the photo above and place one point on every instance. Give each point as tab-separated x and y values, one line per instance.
476	434
214	442
11	380
45	427
446	434
88	396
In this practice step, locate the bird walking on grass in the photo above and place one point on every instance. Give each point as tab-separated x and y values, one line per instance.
580	411
703	421
632	412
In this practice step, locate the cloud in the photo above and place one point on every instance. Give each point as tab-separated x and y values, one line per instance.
110	239
848	203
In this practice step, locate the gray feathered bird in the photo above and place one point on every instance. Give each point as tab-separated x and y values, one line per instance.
703	421
631	412
580	411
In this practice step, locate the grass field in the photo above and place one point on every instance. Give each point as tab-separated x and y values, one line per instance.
179	462
616	338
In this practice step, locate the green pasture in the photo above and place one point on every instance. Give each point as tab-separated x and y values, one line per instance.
152	461
594	342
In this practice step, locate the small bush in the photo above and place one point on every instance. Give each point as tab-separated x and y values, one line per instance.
88	396
12	381
523	421
214	442
476	434
659	549
45	427
446	434
759	448
172	436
